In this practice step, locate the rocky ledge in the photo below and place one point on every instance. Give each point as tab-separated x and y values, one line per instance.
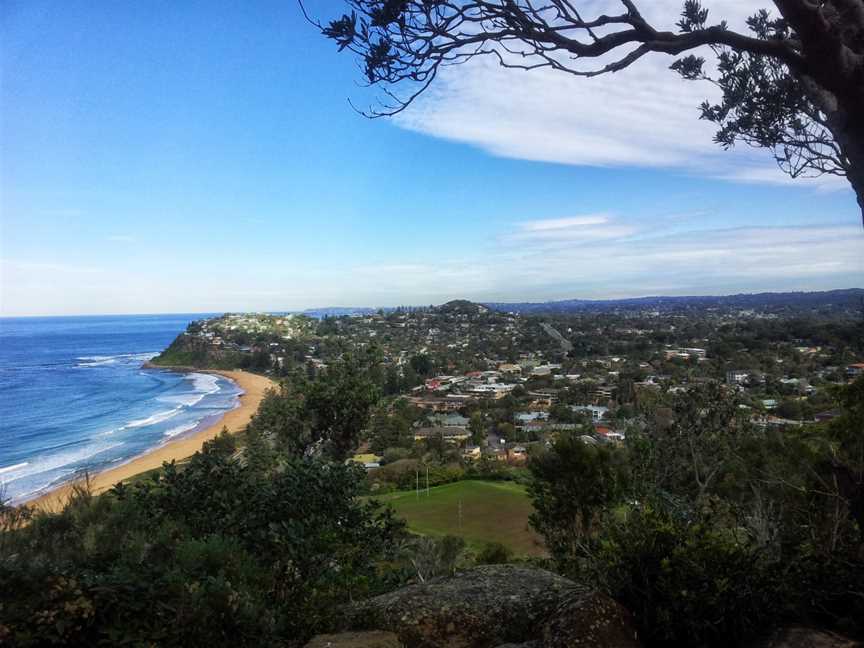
487	607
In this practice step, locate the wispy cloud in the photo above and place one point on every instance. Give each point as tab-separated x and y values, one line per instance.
564	223
559	258
568	230
644	116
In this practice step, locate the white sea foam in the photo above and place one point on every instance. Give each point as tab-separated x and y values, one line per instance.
11	468
204	383
97	360
180	429
186	400
59	460
158	417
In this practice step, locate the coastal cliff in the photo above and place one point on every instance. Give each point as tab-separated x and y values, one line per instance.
194	352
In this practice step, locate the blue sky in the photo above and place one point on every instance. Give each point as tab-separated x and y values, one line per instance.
181	157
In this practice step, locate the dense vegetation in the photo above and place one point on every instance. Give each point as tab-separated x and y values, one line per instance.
710	530
707	526
216	553
256	541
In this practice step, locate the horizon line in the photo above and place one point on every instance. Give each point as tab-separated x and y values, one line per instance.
484	302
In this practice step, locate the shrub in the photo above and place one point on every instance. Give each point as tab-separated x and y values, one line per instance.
494	553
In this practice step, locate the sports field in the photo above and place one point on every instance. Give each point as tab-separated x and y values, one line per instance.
478	511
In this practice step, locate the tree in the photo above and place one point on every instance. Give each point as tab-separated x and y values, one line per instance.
478	428
795	84
421	364
573	484
339	406
322	415
389	431
698	447
847	459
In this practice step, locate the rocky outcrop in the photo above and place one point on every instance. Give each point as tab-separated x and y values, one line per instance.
373	639
592	621
494	605
798	637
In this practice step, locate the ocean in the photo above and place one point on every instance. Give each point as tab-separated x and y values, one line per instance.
74	396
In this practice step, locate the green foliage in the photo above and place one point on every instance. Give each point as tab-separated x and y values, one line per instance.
389	431
431	557
573	485
712	530
688	582
188	351
494	553
320	416
478	427
216	553
421	364
338	406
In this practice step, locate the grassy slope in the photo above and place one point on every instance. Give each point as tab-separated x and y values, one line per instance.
491	511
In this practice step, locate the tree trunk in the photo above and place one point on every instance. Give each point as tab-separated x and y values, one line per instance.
832	38
850	136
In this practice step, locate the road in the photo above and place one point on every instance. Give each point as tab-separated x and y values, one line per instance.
565	343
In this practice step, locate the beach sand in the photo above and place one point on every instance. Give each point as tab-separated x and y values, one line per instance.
254	387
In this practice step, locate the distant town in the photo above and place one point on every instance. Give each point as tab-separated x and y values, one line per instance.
492	384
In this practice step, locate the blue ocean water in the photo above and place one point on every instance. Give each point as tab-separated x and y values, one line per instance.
74	397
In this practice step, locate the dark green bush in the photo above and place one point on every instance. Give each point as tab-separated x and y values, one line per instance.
213	554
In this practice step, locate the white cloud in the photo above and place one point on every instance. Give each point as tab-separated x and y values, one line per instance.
563	223
557	231
525	265
533	260
645	115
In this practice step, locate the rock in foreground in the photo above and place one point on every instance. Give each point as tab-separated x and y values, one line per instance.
374	639
800	637
498	604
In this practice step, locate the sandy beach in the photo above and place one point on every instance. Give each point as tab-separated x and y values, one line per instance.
253	386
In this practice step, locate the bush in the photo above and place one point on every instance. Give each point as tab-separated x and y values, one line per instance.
494	553
213	554
687	583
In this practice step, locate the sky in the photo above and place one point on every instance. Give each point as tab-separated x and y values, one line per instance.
202	156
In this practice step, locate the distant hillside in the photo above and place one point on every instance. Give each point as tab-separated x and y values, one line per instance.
832	300
847	299
462	307
338	311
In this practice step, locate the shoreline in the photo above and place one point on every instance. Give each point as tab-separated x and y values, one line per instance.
254	387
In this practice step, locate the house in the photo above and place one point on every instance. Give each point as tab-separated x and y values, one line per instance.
471	452
437	404
596	411
530	417
685	353
855	370
451	420
821	417
368	461
517	454
449	434
493	390
736	377
510	369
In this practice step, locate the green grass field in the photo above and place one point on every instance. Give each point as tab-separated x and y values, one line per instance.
491	512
